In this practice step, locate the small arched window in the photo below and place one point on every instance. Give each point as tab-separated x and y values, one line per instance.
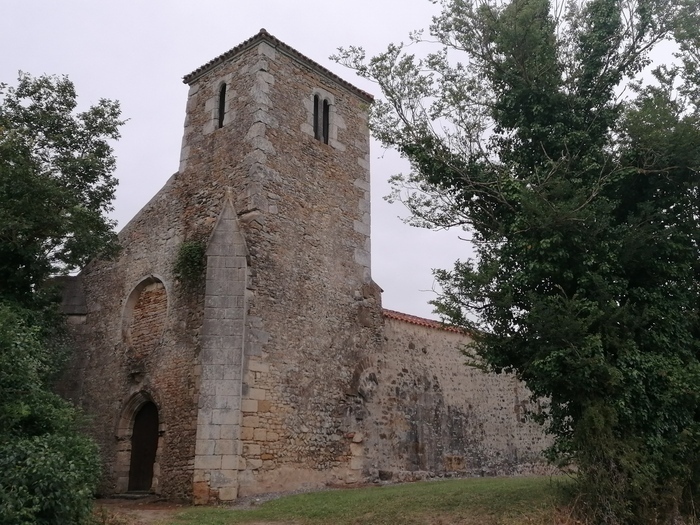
222	105
326	120
317	109
322	119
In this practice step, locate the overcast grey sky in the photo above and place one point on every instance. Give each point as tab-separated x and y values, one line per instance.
136	51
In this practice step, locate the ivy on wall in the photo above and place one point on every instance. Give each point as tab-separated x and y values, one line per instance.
190	263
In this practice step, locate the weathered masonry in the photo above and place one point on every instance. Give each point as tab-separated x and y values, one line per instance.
278	368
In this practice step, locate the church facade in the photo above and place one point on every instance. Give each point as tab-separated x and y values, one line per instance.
277	368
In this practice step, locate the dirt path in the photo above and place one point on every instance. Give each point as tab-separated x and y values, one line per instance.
152	511
147	511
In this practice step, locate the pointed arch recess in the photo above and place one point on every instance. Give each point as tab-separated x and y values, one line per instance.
124	434
145	316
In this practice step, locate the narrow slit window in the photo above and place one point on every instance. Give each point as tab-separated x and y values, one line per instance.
222	105
326	120
317	123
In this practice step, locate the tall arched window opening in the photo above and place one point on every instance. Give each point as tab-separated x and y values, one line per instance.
322	119
326	120
222	105
317	110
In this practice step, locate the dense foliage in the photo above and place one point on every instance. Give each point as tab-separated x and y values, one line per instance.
56	185
538	128
56	182
49	470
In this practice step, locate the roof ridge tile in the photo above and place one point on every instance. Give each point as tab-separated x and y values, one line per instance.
422	321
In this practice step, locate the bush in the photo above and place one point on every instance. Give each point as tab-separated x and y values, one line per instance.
49	471
47	480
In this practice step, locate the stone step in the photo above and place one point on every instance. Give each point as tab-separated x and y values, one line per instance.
134	495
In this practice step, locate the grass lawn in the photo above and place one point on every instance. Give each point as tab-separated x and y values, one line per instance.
482	501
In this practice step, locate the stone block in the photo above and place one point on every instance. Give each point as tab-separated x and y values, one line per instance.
122	484
233	358
194	89
254	464
229	431
337	145
256	393
223	478
256	130
260	115
228	327
224	416
251	450
211	372
214	261
272	436
263	144
361	227
255	365
260	434
362	257
204	417
123	458
207	403
218	273
251	421
249	405
230	462
204	447
232	372
227	388
224	447
235	313
254	349
266	77
207	462
361	183
228	493
238	259
219	301
247	433
263	337
357	463
353	477
233	402
200	492
264	405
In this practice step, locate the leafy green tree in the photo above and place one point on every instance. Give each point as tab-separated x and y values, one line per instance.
49	469
56	186
531	127
56	182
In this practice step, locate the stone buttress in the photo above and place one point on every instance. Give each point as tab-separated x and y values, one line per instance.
218	445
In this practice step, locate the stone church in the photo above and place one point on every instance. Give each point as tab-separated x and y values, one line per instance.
278	369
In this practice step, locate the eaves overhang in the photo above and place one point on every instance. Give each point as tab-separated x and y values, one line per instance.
277	44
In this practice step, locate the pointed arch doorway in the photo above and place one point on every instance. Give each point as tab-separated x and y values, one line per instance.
144	445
